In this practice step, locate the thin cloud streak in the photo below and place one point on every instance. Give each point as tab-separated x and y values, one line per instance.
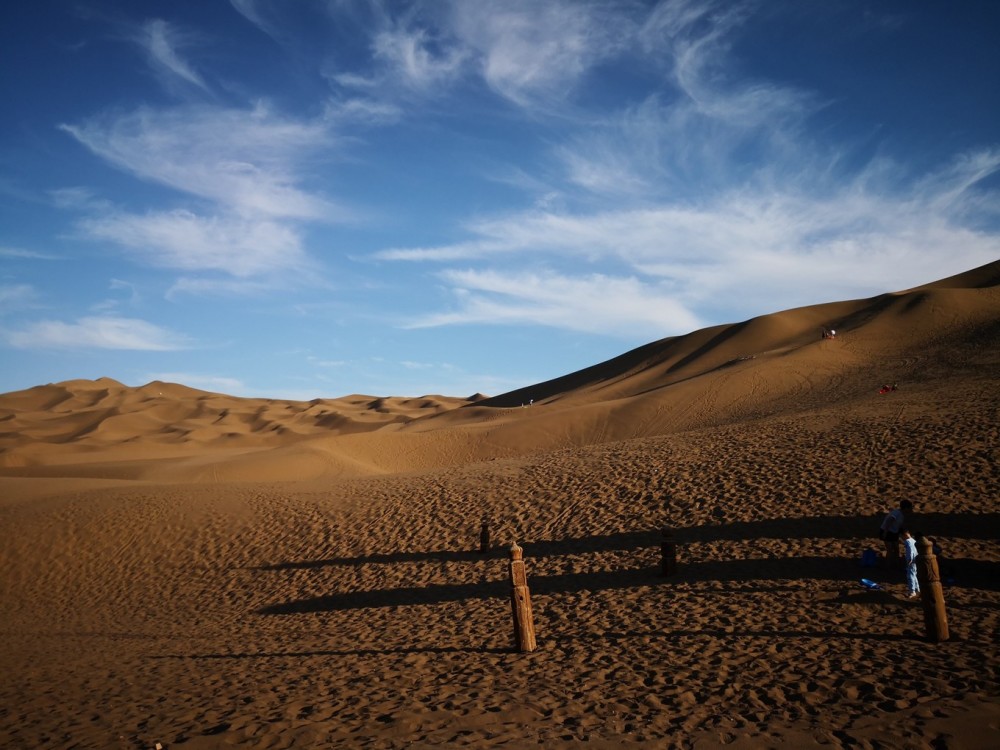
16	297
214	288
530	52
161	41
241	247
99	332
595	304
245	160
747	246
16	252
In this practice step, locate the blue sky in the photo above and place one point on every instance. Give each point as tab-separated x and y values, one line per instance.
313	198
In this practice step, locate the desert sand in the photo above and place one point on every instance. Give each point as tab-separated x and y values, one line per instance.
204	571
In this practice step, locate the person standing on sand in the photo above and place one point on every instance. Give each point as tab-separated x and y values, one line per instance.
910	558
892	524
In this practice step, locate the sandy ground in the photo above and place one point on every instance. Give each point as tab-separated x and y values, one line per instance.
204	571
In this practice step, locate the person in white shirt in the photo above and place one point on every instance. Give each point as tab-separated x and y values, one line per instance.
910	559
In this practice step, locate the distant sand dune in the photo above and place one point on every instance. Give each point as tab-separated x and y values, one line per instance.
207	571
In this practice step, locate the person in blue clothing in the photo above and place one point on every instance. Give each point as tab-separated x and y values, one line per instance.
910	560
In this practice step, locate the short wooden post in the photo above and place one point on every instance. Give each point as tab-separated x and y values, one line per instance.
484	535
931	593
520	602
668	552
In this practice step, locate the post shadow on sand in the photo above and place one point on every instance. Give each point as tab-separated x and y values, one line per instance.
388	558
862	528
403	650
761	573
973	573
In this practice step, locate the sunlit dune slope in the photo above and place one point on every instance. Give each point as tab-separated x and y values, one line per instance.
771	365
768	365
120	431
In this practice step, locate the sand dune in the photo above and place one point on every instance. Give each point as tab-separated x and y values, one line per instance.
206	571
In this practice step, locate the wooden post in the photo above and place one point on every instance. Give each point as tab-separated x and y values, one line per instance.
668	552
484	535
520	602
931	593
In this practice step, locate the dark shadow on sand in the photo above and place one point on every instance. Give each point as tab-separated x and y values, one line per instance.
759	573
861	528
342	652
751	572
387	558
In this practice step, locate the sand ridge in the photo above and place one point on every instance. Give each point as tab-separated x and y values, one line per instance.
317	584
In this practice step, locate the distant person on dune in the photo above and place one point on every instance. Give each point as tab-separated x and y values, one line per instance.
892	524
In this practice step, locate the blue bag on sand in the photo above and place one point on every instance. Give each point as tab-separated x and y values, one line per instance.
869	558
870	585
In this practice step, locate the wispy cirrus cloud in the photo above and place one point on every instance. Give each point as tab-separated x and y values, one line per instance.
247	166
261	15
595	303
529	52
241	247
17	252
419	62
218	287
162	42
248	161
714	199
733	253
97	332
130	297
15	297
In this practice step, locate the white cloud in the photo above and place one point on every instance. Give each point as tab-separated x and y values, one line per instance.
411	54
15	297
113	303
16	252
363	111
530	51
201	287
100	332
161	41
712	196
594	304
248	161
316	361
78	199
241	247
736	252
411	365
257	14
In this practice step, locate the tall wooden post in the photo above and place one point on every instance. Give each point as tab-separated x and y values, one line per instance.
931	593
668	552
484	535
520	602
